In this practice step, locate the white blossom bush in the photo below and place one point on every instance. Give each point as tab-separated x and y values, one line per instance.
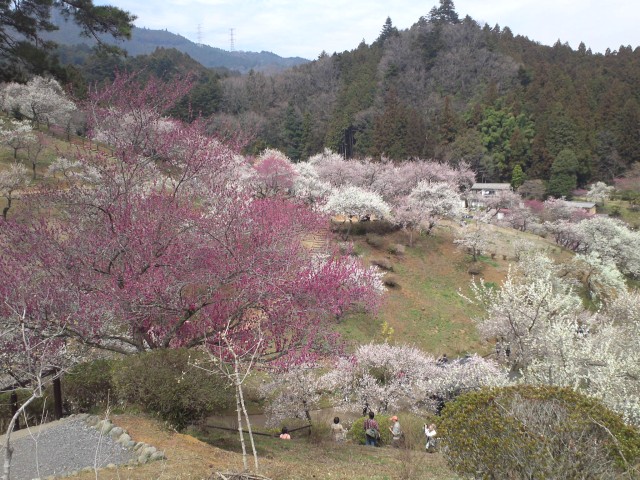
352	201
308	185
531	298
613	241
388	378
599	192
601	276
41	100
600	358
292	394
554	340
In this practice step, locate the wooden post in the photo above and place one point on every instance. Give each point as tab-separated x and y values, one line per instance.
14	409
57	398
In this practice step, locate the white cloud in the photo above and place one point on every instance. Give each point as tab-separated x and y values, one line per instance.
305	28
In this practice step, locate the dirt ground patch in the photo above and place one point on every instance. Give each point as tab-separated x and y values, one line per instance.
190	458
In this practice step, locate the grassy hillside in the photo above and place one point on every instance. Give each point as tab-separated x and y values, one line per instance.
426	308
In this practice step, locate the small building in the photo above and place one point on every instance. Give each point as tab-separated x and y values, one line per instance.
589	207
481	191
490	189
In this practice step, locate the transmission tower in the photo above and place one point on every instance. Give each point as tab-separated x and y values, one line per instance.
200	34
232	47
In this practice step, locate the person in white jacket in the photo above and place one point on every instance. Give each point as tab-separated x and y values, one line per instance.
430	433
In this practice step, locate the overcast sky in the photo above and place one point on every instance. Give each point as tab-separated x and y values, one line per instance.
304	28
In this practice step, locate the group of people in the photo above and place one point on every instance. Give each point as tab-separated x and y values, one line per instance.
372	432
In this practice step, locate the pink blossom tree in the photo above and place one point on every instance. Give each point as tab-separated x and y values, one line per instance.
275	173
427	204
163	246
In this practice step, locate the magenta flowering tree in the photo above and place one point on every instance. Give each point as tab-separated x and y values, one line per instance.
162	246
156	242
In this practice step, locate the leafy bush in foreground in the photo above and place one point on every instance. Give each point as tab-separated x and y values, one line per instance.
535	432
88	385
155	382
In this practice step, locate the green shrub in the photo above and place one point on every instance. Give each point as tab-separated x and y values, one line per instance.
356	434
38	411
154	381
535	432
88	385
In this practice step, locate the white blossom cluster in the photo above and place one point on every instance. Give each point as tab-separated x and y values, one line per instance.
553	339
388	377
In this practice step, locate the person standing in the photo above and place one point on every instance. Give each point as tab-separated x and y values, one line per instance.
338	431
430	433
371	430
396	432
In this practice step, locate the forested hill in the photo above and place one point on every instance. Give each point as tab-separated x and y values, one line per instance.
451	89
145	41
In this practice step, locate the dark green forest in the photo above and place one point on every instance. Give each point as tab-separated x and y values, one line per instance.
447	88
456	91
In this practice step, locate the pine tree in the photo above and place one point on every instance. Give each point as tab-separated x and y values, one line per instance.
564	178
23	22
388	30
445	13
517	177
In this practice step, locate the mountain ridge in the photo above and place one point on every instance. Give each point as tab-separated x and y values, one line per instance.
145	41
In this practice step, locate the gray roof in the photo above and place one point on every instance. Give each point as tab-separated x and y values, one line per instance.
491	186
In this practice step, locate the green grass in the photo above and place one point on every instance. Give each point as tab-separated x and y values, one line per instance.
311	458
426	309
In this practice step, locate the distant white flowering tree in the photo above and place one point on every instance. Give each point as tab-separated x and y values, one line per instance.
387	377
355	202
599	192
17	135
41	100
613	240
531	299
292	394
12	180
427	204
554	340
308	185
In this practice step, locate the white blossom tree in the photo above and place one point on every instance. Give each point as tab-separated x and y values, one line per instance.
12	180
41	100
601	359
17	135
613	240
292	394
530	301
308	185
599	192
554	340
355	202
427	204
474	240
387	377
